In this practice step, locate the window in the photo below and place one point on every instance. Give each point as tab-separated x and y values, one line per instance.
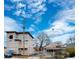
26	40
11	37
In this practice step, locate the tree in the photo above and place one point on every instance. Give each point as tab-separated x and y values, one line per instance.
71	40
42	40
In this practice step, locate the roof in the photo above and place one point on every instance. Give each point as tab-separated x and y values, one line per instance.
10	31
54	46
19	33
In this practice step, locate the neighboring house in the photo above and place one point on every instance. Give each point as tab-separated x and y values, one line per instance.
55	49
20	42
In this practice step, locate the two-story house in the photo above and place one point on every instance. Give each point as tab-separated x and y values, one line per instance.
20	42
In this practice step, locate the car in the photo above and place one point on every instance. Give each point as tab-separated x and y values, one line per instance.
8	54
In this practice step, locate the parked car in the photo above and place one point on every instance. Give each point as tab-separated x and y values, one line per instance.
8	54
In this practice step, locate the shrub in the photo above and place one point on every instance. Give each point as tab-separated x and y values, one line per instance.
71	51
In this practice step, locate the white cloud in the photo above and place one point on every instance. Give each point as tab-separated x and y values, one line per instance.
67	15
16	0
63	38
60	29
32	25
18	12
37	19
37	2
7	7
30	29
34	6
66	4
23	14
58	35
29	9
39	8
20	5
64	26
11	25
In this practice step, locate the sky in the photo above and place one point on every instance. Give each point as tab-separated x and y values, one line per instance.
54	17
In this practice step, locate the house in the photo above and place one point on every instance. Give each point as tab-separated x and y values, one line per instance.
55	49
20	42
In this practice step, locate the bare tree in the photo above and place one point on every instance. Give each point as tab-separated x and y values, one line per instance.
42	39
71	40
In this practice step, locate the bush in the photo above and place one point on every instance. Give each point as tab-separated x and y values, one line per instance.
71	51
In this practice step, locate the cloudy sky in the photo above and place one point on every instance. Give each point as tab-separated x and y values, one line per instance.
54	17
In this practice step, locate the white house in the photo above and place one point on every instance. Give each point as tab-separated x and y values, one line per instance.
20	42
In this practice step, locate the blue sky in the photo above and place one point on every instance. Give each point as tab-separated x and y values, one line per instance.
54	17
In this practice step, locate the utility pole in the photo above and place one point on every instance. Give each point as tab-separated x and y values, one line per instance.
23	27
23	36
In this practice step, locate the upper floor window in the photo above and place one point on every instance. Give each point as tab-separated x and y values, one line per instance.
11	37
26	40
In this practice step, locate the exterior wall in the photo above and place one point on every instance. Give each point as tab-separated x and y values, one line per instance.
28	44
17	46
10	42
20	36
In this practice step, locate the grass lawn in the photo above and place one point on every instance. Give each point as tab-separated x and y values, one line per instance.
71	51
